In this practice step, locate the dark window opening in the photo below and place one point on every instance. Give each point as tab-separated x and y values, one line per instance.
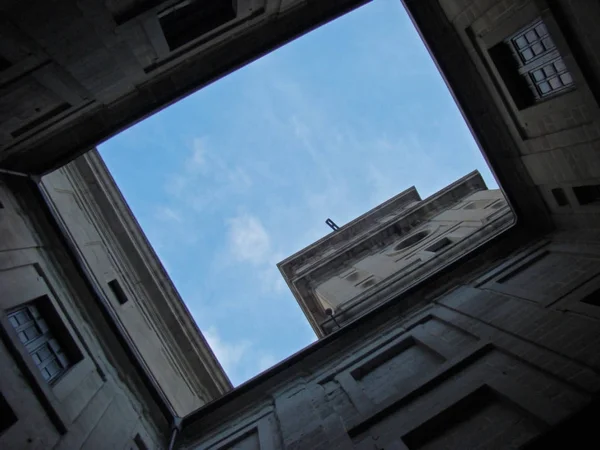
593	298
41	331
412	240
560	197
508	67
438	245
8	417
137	8
4	64
367	283
117	291
139	443
465	409
587	195
353	276
190	19
531	66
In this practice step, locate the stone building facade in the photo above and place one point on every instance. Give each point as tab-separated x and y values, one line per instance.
98	350
498	349
390	248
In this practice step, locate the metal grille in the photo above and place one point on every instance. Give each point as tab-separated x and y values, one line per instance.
36	336
539	60
533	42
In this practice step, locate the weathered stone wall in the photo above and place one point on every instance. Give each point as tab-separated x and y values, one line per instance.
558	138
114	250
455	224
100	402
498	360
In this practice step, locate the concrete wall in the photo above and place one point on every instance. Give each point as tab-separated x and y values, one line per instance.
455	224
100	402
153	317
493	363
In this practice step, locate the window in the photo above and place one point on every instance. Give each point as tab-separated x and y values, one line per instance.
586	195
477	204
4	63
560	197
367	283
8	417
540	61
138	443
531	65
438	245
593	298
190	19
412	240
39	329
117	291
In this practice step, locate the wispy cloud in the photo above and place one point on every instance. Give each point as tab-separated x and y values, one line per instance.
197	160
266	361
248	240
241	359
168	214
229	353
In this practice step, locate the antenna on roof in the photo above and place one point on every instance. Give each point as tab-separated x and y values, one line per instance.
332	224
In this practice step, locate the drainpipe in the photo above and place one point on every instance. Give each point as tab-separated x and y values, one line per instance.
175	430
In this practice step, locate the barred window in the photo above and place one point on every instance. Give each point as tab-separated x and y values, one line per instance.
539	60
44	338
531	66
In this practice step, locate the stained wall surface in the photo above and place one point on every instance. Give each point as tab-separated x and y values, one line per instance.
493	363
99	402
395	258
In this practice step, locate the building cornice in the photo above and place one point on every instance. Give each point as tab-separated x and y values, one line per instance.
407	220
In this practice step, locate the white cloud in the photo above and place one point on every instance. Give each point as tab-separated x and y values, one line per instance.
198	158
205	179
168	214
248	240
229	354
266	361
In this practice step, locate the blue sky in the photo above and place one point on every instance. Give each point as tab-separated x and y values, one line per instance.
236	177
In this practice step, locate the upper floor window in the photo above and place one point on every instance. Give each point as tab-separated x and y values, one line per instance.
531	65
118	292
541	64
43	338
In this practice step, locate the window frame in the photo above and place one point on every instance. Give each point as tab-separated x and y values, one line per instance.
485	36
31	284
549	56
52	334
